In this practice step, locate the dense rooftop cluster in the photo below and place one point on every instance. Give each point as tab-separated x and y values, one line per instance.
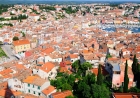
61	51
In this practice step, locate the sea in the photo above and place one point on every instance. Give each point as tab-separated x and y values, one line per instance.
113	29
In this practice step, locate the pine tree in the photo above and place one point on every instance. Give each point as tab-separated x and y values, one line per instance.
134	64
126	79
99	76
134	67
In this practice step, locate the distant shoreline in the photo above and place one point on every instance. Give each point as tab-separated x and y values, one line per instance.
118	25
61	2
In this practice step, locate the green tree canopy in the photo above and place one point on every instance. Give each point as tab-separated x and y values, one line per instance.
134	90
134	65
15	38
70	96
100	91
126	79
84	90
90	79
76	65
99	76
66	86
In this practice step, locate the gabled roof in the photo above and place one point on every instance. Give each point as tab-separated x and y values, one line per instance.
62	94
48	50
48	90
35	80
126	95
47	67
21	42
7	93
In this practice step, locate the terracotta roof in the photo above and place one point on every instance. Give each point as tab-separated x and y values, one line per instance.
28	53
20	66
48	90
126	95
73	56
7	93
65	70
48	50
21	42
62	94
3	85
35	80
47	67
6	72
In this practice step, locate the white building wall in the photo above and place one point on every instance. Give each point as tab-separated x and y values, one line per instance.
126	52
73	59
102	59
45	85
15	84
47	59
114	52
43	74
34	89
57	60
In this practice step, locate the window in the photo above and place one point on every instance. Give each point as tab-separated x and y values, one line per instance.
33	86
38	87
28	85
28	91
38	94
34	92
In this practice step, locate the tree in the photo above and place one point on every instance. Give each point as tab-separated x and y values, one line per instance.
138	75
99	76
89	79
23	34
138	67
85	66
1	42
134	66
66	86
76	65
126	79
71	79
134	90
70	96
83	90
100	91
15	38
138	80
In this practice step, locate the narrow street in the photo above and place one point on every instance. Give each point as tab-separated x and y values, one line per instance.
9	52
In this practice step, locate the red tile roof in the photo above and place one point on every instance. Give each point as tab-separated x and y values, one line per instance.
48	90
126	95
62	94
47	67
21	42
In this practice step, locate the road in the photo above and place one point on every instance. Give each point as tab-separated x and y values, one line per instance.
9	52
